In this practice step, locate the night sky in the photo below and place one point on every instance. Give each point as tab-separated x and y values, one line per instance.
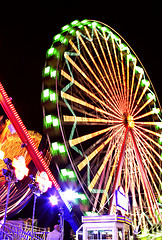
26	32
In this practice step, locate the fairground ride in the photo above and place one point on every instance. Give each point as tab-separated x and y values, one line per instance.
97	93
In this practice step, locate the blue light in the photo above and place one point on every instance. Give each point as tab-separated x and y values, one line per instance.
53	200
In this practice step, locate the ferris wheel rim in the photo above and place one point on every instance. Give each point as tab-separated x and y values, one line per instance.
67	97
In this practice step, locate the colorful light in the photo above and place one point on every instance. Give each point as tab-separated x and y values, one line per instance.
48	95
51	121
58	148
67	174
43	181
20	168
1	155
53	200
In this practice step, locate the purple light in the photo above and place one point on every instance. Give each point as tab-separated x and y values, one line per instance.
53	200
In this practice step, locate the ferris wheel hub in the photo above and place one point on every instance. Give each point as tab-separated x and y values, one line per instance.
128	120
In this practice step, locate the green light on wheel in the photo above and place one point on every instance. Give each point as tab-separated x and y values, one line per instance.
53	52
65	28
145	83
61	148
74	23
48	95
51	121
58	148
156	110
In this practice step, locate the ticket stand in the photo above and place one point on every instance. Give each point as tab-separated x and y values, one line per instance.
112	227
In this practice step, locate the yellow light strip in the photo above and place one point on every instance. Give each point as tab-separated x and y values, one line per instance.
98	69
132	85
101	61
137	88
123	74
83	103
89	80
134	203
119	83
88	120
146	192
141	96
112	64
144	105
96	177
89	136
107	64
149	131
104	196
96	151
140	199
150	139
144	115
144	143
149	123
67	76
127	82
144	150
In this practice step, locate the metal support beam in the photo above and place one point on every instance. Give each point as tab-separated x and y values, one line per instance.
145	180
21	130
119	168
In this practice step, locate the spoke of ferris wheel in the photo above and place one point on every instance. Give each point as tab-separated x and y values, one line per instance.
134	203
144	115
104	55
113	101
116	86
67	76
151	190
150	139
135	95
140	199
83	138
89	80
95	64
100	170
96	177
132	83
110	73
83	103
143	150
84	162
118	70
144	105
139	100
149	123
145	181
104	196
115	96
85	120
149	131
124	77
145	143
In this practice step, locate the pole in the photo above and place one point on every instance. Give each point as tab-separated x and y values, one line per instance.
7	200
119	168
34	205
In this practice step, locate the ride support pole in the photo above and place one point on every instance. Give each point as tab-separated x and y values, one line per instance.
119	168
33	151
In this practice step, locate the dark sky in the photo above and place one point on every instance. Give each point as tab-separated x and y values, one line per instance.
27	29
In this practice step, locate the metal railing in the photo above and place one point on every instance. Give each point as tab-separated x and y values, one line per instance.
19	230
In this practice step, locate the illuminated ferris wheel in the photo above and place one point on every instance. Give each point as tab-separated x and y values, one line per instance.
109	116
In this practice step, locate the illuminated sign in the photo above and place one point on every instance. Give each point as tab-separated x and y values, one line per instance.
121	200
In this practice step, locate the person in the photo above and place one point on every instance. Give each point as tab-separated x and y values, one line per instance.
55	234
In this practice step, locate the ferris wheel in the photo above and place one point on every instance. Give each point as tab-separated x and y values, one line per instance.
97	91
